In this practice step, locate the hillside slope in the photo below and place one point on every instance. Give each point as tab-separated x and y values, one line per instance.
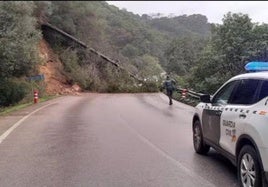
52	68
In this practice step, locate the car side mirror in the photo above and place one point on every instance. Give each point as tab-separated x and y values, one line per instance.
205	98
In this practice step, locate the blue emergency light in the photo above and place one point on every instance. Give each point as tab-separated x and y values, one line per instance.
256	66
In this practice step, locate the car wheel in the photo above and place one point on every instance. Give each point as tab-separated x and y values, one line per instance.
249	171
199	145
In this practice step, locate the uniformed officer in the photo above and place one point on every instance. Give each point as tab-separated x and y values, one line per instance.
169	85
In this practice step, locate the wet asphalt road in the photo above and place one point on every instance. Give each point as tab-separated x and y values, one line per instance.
107	140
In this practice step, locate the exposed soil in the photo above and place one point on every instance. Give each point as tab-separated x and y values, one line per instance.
52	68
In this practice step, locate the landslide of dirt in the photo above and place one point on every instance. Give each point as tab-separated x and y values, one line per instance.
52	68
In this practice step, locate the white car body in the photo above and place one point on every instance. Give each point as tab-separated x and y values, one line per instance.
228	127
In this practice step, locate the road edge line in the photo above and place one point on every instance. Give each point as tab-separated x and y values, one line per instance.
13	127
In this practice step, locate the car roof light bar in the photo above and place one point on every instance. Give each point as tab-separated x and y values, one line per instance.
256	66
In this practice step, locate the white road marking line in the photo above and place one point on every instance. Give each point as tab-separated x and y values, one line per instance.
12	128
168	157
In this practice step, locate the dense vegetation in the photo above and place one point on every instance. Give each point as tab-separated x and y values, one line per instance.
18	49
231	46
199	55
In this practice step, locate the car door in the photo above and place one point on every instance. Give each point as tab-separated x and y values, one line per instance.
236	113
211	116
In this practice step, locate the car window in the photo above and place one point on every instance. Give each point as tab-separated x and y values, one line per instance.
222	97
245	92
264	90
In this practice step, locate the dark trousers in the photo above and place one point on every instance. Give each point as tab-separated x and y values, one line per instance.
169	94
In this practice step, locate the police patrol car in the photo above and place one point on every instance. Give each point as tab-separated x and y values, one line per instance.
234	121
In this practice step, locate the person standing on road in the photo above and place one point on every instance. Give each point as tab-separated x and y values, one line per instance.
169	85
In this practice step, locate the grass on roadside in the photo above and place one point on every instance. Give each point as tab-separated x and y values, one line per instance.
17	107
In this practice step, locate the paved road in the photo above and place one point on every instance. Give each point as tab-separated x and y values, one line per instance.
107	140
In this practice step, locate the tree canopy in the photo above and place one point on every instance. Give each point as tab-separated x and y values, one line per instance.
199	54
233	44
18	39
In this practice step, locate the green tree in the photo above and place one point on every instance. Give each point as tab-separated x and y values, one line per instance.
18	39
233	44
149	68
260	43
182	54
